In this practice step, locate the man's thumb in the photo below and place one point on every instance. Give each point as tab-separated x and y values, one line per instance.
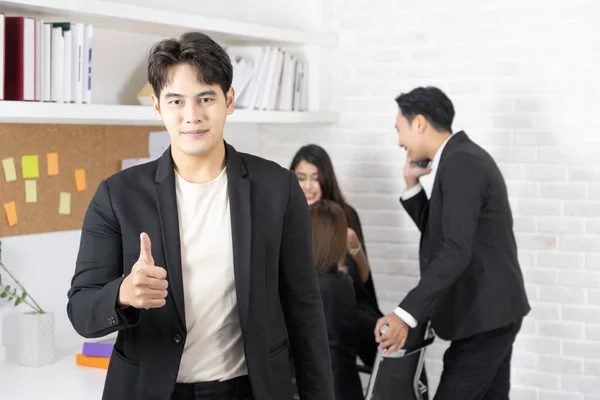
146	248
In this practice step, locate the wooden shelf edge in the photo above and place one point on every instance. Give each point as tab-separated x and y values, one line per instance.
103	114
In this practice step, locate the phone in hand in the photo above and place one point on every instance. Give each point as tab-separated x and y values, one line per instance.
422	163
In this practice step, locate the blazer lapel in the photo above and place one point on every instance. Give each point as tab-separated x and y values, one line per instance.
452	144
241	223
169	221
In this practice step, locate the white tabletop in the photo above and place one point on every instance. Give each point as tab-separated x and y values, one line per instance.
62	380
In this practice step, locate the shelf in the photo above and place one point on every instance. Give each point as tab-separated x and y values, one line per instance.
130	18
101	114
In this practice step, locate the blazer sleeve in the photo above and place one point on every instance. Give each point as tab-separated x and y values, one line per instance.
463	186
301	301
414	204
92	299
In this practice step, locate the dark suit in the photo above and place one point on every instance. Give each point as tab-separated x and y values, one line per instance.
277	287
471	282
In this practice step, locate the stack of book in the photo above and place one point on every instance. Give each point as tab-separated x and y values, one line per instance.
46	61
269	78
95	355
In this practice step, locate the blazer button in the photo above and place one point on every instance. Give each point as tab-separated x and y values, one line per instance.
177	338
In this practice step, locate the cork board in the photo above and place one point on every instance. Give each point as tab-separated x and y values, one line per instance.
97	150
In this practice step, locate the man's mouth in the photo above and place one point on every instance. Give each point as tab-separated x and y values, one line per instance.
195	132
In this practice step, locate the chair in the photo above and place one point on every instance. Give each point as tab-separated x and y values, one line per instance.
398	375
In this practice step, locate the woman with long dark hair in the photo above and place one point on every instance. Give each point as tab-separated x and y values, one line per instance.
314	170
329	229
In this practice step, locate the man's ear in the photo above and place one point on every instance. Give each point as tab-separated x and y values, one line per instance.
156	105
421	123
230	100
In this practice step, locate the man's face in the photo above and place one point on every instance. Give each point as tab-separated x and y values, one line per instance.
193	112
411	136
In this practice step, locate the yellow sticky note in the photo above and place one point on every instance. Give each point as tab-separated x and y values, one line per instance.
64	207
29	165
11	213
30	191
52	159
80	179
10	173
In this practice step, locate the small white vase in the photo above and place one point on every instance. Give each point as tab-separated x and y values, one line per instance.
36	339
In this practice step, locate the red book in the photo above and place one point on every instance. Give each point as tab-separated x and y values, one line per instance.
19	59
2	44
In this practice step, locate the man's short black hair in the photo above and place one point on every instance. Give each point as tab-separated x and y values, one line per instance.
431	103
197	49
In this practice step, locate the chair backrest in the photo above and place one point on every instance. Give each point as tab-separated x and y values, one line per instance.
397	376
394	378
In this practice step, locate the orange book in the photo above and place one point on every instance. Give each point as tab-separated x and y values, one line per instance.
96	362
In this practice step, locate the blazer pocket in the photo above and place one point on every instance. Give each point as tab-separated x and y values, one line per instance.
119	354
278	348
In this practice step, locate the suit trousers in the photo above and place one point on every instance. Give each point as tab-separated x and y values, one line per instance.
478	367
233	389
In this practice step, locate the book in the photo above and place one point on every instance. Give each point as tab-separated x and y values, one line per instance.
97	349
95	362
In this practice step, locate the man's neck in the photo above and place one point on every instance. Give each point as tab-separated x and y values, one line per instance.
199	169
437	139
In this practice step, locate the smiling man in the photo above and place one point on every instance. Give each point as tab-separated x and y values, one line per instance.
202	259
471	286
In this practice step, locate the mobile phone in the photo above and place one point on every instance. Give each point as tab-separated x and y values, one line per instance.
422	163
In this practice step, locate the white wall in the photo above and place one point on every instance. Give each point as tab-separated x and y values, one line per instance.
524	80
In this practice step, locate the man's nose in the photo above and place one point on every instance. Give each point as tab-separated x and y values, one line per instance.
192	114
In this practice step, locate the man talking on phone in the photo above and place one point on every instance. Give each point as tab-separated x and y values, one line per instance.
471	286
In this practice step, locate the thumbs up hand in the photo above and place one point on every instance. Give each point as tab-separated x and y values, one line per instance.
146	285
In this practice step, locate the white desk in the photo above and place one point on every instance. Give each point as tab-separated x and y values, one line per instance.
62	380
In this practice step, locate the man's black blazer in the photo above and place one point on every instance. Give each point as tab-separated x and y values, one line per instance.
276	281
471	281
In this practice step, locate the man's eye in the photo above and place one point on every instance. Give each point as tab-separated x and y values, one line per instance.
205	100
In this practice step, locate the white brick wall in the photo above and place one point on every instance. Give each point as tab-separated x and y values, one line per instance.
524	80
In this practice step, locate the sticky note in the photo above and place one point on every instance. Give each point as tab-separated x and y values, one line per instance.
52	159
10	173
11	213
64	207
80	179
29	165
30	191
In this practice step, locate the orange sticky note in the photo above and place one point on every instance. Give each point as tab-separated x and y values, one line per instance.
52	163
80	179
11	213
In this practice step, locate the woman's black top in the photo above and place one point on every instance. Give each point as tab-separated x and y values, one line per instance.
341	318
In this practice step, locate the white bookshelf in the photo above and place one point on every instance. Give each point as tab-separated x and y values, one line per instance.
132	18
123	34
103	114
